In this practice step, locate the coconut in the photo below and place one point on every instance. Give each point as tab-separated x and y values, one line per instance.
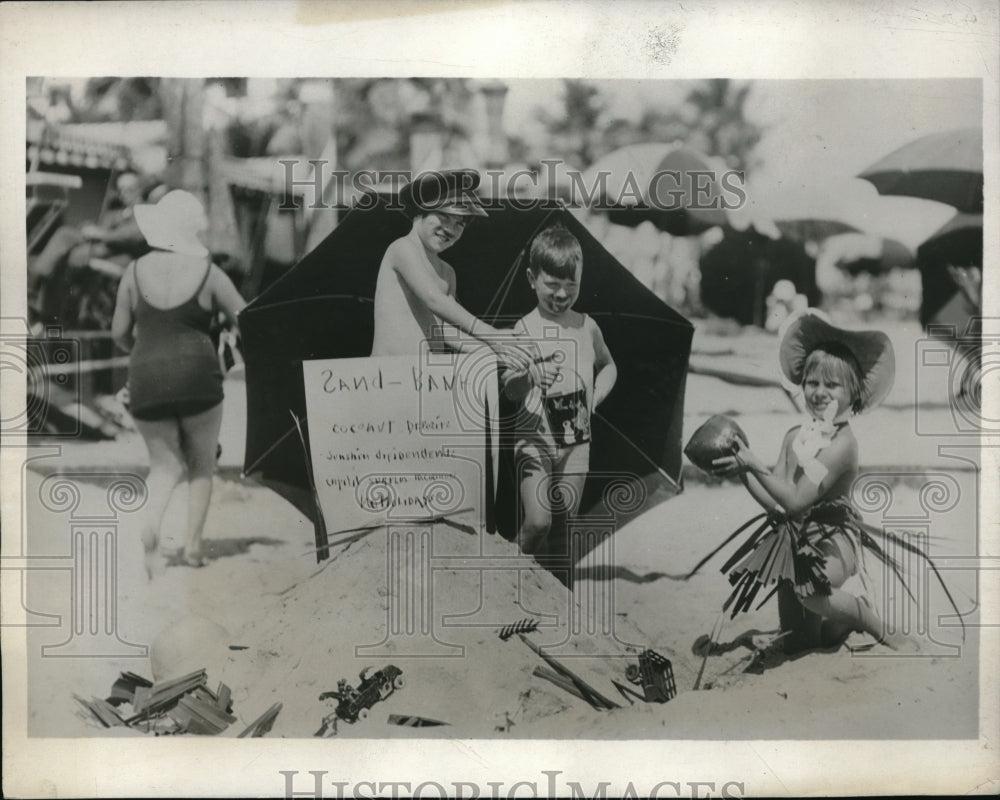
715	439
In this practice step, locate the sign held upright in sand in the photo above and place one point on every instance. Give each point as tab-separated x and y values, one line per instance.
397	438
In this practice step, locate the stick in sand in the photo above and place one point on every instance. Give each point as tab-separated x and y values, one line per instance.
625	691
319	526
262	724
716	631
563	683
564	670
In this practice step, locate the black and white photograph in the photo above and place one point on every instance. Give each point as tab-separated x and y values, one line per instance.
465	422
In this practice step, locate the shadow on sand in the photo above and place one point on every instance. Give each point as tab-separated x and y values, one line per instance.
622	573
767	650
213	549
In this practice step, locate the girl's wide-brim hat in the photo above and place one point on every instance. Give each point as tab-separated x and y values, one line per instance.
452	192
173	223
810	330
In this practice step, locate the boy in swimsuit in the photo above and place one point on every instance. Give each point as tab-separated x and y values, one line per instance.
571	373
415	292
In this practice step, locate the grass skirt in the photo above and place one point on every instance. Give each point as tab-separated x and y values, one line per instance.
784	550
780	549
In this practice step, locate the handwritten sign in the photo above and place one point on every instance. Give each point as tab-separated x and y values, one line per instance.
399	437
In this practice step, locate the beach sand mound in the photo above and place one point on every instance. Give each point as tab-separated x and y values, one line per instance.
431	600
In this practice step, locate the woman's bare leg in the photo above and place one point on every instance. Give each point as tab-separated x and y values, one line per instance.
200	434
166	468
857	614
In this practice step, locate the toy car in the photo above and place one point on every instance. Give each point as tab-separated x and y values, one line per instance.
656	676
354	703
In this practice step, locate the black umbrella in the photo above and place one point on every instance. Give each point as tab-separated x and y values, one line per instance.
739	272
322	308
946	167
958	244
950	264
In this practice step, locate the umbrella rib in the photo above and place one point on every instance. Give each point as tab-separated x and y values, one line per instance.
631	315
269	450
297	300
652	463
511	276
504	291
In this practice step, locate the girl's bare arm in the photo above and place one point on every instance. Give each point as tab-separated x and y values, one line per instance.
836	458
452	335
759	493
753	485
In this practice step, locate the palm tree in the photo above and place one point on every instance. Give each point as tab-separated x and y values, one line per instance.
182	102
121	100
575	134
719	107
375	118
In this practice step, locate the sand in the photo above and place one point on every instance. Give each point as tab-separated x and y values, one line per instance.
304	626
431	599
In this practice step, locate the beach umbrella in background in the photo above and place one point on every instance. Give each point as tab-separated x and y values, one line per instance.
814	211
739	272
950	264
946	167
676	188
860	252
847	244
552	180
948	261
845	257
323	308
812	229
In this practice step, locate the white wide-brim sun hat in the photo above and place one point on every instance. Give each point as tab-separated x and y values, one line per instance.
809	330
174	223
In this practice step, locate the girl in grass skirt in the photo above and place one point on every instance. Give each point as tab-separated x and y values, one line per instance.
811	539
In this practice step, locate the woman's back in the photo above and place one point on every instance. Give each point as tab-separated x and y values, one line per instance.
174	365
166	280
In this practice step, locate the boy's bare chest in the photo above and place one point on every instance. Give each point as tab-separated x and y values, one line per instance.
437	271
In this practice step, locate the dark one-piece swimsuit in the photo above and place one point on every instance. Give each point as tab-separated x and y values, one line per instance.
174	370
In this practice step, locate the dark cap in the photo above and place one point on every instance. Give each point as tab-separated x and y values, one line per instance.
450	191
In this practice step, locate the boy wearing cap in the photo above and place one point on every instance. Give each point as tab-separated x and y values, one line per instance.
415	292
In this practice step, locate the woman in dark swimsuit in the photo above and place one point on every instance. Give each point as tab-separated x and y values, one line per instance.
166	302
